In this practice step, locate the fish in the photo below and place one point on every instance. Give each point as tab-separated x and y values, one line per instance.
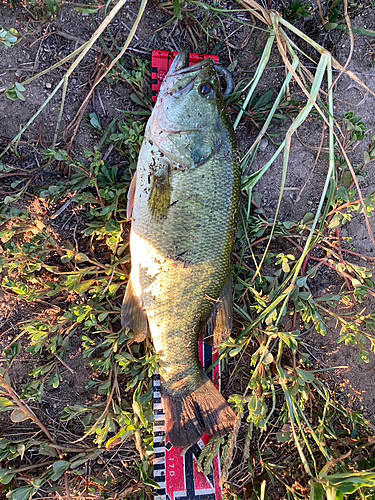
184	201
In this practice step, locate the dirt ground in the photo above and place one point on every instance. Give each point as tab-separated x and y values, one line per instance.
45	43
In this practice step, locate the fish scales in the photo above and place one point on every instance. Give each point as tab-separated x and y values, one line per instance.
184	221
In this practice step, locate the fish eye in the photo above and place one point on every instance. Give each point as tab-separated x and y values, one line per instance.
205	89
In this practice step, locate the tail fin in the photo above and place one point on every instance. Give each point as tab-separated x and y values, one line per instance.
203	411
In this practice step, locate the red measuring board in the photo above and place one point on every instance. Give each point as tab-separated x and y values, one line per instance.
176	474
161	61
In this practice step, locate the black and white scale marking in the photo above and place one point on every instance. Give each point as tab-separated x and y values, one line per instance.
191	455
159	440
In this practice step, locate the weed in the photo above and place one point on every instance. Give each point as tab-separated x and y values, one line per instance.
8	37
14	92
280	385
136	78
297	9
333	16
39	9
42	268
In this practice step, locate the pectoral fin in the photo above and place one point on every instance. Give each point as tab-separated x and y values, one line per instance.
219	325
133	316
160	194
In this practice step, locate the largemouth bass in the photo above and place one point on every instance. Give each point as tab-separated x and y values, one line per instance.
184	203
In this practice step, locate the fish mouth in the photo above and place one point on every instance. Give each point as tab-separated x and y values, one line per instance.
181	61
180	66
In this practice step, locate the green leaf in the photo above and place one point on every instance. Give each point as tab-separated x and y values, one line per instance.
330	26
288	224
137	99
285	266
114	287
5	404
84	457
47	450
102	316
23	493
177	9
113	227
308	217
124	433
81	257
6	476
12	351
80	461
255	405
8	37
59	468
54	380
151	482
82	287
284	435
271	317
317	491
87	10
103	388
301	281
235	351
349	483
305	375
19	87
347	179
94	121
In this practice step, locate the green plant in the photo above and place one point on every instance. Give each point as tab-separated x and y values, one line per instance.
336	15
14	92
297	9
40	9
8	37
33	273
136	78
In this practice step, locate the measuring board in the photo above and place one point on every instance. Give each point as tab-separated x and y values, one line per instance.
176	474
